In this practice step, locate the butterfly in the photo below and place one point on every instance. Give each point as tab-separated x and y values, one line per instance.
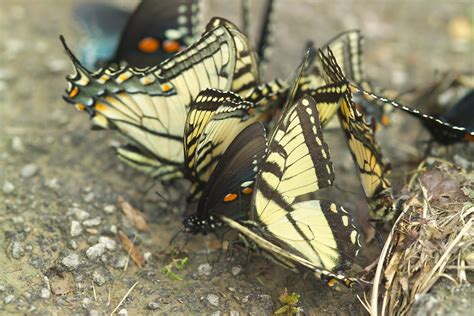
255	187
362	144
149	106
155	31
440	129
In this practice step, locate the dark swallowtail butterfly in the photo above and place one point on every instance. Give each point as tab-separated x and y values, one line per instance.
317	235
155	31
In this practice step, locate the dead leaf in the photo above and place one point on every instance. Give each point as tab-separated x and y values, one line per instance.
136	217
134	253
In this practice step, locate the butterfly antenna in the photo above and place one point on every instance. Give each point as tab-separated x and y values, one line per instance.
171	242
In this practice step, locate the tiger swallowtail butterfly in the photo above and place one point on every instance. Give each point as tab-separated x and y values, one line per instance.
149	106
363	146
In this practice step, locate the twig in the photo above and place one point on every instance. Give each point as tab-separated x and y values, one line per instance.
124	298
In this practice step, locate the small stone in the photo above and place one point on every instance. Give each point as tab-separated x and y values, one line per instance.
109	243
71	261
147	256
213	299
98	278
113	229
245	299
29	170
109	209
17	250
76	228
92	231
53	184
94	312
45	294
95	251
204	269
8	299
73	244
2	288
92	222
8	187
86	301
89	197
234	313
17	145
153	305
120	262
123	312
232	289
79	214
236	270
18	220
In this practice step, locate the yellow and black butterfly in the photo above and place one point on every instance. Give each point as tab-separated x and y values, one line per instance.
149	106
365	151
316	234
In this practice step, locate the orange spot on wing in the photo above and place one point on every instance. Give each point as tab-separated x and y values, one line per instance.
80	106
385	120
101	107
74	91
332	282
148	45
171	46
247	190
166	87
468	137
230	197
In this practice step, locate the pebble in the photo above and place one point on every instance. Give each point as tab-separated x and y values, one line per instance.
86	301
17	250
120	262
73	244
45	293
123	312
153	305
17	145
93	312
8	187
2	288
147	256
92	222
98	278
89	197
236	270
234	313
95	251
76	228
18	220
113	229
213	299
109	243
204	269
109	209
79	213
53	184
8	299
29	170
245	299
71	261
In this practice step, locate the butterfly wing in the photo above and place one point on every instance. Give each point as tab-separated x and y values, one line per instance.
297	163
102	24
230	187
363	147
156	31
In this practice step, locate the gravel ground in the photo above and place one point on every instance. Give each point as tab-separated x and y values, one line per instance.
59	182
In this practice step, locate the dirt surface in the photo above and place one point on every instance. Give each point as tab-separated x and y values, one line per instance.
60	181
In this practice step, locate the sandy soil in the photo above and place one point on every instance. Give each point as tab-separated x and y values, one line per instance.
57	174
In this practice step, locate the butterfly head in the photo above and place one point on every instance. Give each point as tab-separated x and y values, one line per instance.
195	225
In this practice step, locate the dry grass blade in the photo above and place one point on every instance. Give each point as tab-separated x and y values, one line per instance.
134	253
136	217
124	297
431	240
